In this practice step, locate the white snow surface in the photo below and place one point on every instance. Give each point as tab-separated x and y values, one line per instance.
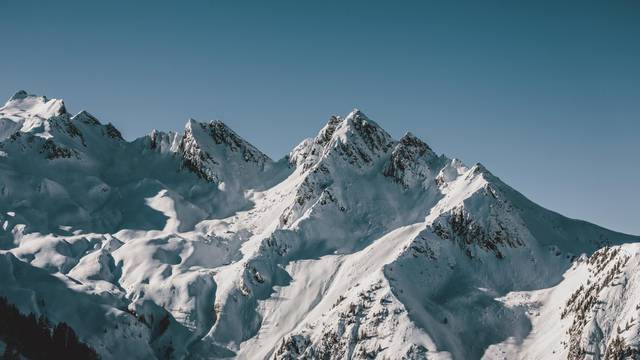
355	245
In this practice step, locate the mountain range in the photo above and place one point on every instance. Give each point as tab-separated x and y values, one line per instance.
355	245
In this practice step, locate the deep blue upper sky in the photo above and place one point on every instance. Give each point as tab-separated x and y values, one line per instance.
546	94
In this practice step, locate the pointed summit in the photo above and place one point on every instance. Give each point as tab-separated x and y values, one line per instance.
410	140
355	113
355	139
191	124
85	117
211	149
359	121
308	152
410	162
361	139
327	131
357	116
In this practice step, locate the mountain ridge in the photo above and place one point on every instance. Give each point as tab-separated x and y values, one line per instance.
354	245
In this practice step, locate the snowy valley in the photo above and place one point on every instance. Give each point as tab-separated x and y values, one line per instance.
355	245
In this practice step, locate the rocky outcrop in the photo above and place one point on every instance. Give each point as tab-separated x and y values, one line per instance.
205	147
412	162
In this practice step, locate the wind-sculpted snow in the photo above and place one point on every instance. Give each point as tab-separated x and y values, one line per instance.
355	245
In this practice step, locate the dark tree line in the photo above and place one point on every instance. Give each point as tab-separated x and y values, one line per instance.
34	338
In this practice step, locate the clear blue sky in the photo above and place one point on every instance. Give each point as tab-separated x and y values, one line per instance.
546	94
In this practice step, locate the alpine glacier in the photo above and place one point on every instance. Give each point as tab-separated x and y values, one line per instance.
353	246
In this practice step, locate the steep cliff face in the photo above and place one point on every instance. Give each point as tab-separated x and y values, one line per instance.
216	153
356	245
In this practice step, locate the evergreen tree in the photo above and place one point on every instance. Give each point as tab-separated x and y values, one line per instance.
32	337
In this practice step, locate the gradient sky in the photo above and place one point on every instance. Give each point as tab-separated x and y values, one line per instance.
546	94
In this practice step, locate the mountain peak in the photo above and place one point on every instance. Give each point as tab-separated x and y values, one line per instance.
357	116
191	123
410	161
86	118
478	168
358	122
19	95
25	112
364	135
206	146
355	139
24	105
219	123
410	140
355	112
408	136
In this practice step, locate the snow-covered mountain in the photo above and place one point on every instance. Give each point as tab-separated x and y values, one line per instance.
355	245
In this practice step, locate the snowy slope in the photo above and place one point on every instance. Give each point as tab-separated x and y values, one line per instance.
355	245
